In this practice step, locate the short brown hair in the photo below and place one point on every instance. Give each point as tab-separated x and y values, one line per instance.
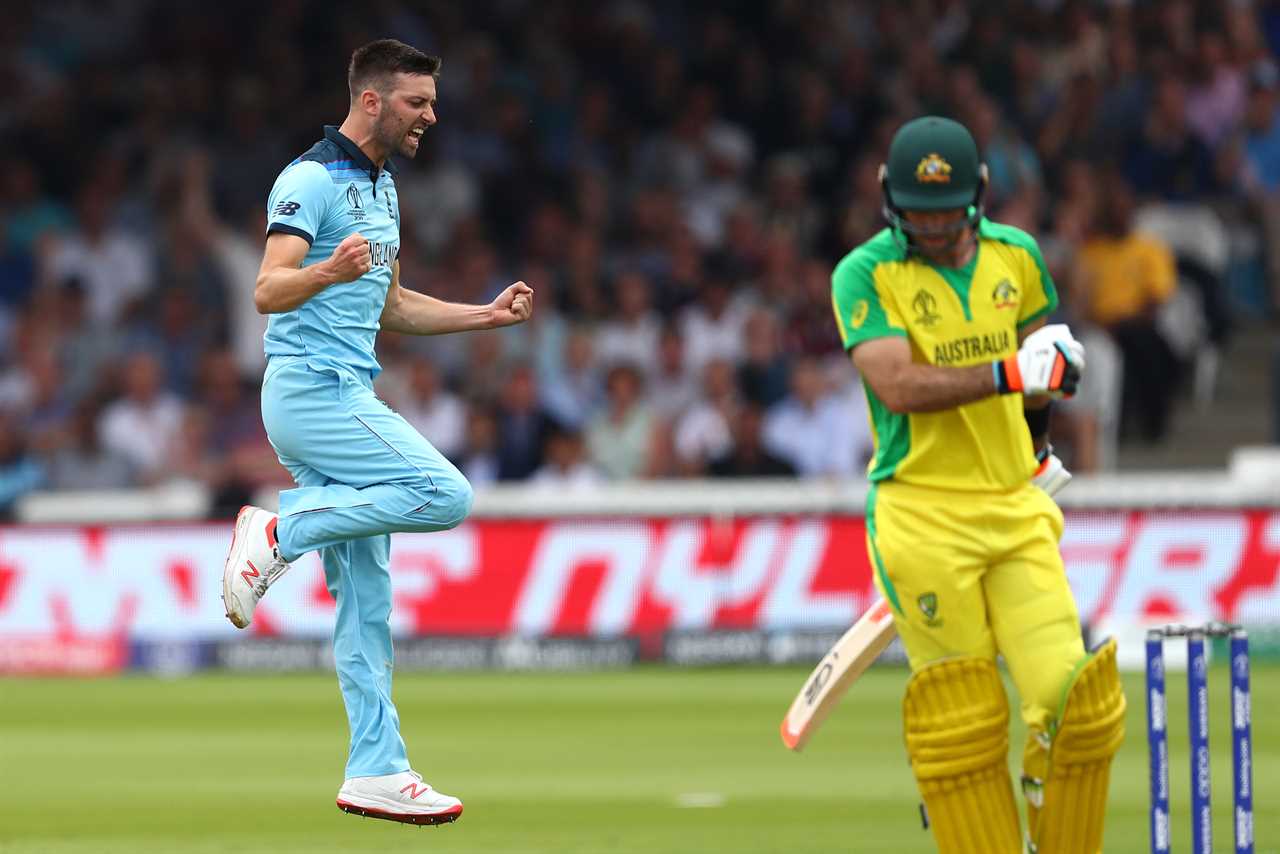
373	65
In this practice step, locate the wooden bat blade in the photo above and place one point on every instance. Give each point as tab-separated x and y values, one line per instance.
838	669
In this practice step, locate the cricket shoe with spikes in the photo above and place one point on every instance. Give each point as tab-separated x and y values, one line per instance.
253	564
399	797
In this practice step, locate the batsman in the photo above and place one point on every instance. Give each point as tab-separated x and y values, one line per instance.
943	313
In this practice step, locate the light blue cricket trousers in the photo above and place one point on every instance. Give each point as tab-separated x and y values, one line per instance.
363	473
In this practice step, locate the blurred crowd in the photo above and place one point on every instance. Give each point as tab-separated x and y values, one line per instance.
675	180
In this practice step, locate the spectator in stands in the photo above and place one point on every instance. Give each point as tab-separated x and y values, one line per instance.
31	211
1216	97
1014	183
566	466
45	408
572	394
86	351
237	441
144	422
814	430
808	327
33	217
1127	92
789	201
862	216
20	471
674	388
620	436
81	462
762	376
704	432
115	267
713	326
486	361
234	252
479	459
581	290
174	327
748	456
1167	160
631	332
780	270
1125	277
729	153
1260	170
522	424
434	411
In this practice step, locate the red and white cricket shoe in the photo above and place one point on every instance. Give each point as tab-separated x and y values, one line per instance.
398	797
253	564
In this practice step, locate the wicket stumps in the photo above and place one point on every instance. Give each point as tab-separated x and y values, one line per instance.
1198	729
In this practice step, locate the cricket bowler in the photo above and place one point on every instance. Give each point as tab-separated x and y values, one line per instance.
943	313
330	279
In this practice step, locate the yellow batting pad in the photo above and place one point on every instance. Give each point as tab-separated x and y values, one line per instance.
956	717
1066	784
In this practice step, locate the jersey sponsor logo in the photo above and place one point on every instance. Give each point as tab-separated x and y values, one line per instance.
933	170
286	209
926	308
355	208
859	315
1005	295
382	254
970	348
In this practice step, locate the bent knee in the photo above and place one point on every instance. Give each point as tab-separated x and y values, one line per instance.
442	500
456	497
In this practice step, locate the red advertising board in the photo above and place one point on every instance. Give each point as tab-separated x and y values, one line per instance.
77	589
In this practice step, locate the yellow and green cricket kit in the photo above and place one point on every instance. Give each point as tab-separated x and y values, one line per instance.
950	317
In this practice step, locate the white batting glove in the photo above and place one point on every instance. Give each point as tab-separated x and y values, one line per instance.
1050	361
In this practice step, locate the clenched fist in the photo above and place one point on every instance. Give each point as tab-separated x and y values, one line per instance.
512	306
350	260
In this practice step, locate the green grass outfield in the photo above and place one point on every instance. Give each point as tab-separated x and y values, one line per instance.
547	762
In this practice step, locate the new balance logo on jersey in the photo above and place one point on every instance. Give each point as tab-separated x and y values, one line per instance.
286	209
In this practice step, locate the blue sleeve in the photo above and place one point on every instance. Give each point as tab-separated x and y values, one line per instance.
299	200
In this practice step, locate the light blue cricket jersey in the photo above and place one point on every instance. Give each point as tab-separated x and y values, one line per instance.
325	195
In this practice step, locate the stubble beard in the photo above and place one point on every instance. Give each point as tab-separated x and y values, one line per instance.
392	136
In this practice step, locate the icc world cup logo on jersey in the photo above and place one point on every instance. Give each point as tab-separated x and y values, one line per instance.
355	208
926	308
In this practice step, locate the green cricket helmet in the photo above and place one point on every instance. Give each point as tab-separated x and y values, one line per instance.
933	166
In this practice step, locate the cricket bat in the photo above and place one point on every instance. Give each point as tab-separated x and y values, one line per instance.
839	668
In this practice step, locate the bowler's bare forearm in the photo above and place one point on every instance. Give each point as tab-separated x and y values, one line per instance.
281	289
415	313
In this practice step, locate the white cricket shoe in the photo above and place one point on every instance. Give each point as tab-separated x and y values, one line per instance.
253	564
398	797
